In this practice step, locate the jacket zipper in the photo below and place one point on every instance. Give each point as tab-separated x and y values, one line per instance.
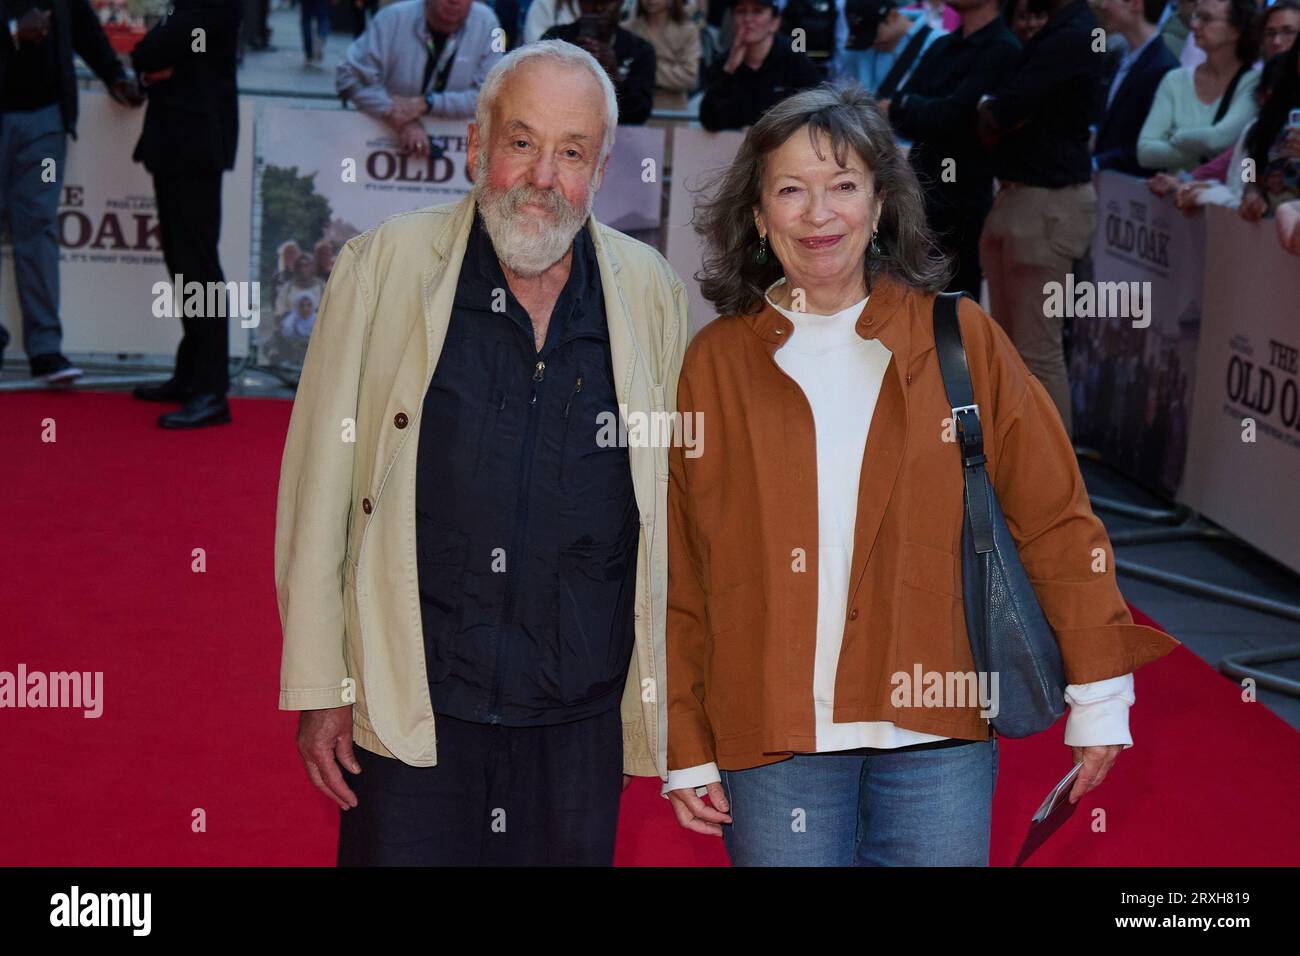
514	556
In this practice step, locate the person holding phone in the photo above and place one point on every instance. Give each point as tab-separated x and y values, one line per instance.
1274	145
628	60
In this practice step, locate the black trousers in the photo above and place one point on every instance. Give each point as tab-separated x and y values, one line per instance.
498	796
189	224
958	234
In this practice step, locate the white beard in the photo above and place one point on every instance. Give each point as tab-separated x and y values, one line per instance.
528	242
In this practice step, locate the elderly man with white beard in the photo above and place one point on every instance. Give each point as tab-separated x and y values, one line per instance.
457	546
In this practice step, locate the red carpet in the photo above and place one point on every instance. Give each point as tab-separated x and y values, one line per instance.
100	526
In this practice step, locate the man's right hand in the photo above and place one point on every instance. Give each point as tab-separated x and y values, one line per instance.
33	26
323	736
696	815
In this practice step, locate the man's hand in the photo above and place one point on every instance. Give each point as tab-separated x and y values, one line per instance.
986	126
1288	226
405	109
33	27
1096	763
413	139
323	736
696	815
126	92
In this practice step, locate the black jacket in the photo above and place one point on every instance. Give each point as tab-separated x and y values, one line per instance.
936	110
74	27
1048	102
636	66
192	124
1117	135
735	100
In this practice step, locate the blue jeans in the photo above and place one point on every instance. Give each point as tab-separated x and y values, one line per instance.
27	139
913	808
318	11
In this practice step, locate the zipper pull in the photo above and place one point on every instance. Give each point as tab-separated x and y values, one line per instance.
577	387
539	371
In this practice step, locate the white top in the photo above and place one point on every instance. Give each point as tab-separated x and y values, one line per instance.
1180	132
841	374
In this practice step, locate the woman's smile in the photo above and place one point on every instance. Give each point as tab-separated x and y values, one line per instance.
821	242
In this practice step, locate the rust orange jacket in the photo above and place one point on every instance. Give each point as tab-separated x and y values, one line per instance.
742	537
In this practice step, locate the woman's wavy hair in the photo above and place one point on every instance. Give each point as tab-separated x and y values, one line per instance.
730	277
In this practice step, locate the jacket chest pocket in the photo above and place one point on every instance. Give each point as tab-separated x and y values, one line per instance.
593	458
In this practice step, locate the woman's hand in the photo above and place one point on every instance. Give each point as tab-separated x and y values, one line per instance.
1253	205
1162	184
694	814
1288	226
1187	196
1096	764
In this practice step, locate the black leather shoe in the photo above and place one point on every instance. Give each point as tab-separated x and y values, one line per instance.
168	391
201	410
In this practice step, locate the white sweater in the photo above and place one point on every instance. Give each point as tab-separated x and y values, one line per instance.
840	374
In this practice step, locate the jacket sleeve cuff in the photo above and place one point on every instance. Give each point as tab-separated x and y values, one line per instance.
311	698
697	777
1098	652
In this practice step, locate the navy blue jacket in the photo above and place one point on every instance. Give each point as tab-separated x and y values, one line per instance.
526	521
1117	135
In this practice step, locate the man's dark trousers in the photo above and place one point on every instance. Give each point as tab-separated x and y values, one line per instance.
189	225
498	796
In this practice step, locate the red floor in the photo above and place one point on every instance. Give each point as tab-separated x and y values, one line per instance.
96	569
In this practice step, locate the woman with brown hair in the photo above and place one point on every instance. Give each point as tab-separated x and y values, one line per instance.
814	527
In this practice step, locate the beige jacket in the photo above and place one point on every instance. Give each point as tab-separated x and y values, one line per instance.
345	542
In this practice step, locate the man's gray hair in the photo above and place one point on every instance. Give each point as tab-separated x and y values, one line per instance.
558	51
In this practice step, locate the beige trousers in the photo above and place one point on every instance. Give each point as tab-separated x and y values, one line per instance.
1032	237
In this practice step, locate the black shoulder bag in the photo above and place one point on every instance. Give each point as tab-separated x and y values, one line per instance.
1009	634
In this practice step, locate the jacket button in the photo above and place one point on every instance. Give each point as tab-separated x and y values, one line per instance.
853	615
366	505
400	420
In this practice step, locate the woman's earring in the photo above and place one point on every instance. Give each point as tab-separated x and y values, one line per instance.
760	254
874	248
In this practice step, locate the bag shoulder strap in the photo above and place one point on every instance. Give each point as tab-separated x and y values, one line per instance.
1226	101
955	370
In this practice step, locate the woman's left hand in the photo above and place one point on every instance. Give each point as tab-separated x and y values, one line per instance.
1096	764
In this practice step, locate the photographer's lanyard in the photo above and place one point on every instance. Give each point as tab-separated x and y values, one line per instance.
441	67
